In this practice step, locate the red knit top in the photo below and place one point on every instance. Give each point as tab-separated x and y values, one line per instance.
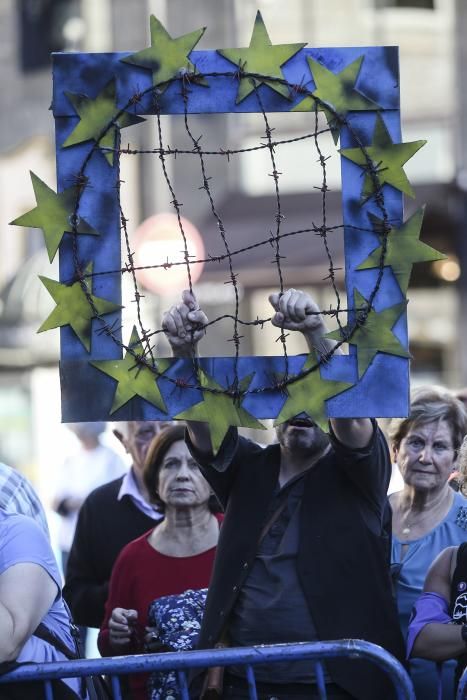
139	576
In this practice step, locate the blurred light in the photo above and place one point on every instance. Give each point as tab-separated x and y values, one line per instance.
448	270
74	30
159	241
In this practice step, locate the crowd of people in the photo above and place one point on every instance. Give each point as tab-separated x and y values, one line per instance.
257	544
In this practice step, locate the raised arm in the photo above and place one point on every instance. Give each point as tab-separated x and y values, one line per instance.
184	326
297	311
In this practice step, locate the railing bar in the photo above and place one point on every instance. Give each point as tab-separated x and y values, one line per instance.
49	693
320	682
176	661
460	695
183	685
251	680
116	688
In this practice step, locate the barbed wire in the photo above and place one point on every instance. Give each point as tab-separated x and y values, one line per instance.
186	80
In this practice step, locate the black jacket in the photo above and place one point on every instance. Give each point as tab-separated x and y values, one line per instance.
105	526
342	560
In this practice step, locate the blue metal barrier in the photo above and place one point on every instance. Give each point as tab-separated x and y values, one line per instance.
462	687
182	662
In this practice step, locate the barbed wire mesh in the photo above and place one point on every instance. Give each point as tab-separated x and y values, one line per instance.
186	81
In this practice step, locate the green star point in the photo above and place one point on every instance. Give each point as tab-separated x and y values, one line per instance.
52	214
262	58
375	335
336	93
73	308
220	411
166	56
309	395
403	249
134	379
387	158
96	116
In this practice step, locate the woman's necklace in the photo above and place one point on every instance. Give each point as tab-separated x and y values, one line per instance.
424	517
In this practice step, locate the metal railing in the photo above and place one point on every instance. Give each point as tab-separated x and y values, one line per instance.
183	662
462	687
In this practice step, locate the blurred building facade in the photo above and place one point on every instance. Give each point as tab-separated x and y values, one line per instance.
431	68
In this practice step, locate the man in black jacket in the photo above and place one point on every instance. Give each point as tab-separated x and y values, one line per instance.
110	517
302	553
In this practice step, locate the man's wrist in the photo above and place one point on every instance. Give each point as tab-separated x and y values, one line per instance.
316	340
187	352
464	633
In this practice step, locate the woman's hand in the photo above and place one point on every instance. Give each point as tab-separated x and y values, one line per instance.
151	640
121	626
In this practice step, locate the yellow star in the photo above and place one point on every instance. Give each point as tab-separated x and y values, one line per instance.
309	395
96	116
336	90
134	379
262	58
387	158
375	335
53	215
73	308
166	57
403	249
219	410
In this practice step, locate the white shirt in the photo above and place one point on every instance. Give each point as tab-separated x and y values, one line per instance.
81	474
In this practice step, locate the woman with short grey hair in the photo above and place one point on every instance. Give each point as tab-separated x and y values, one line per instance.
427	514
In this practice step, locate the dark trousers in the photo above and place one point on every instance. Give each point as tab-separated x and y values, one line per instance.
35	690
237	689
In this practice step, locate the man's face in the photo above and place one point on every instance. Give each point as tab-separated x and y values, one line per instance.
138	438
302	435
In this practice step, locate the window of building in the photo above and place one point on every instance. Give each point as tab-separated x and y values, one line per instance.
417	4
46	26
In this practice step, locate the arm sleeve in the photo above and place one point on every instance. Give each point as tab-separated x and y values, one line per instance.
120	588
24	542
85	591
369	468
429	607
18	496
218	470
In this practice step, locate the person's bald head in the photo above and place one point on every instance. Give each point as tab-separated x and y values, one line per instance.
136	437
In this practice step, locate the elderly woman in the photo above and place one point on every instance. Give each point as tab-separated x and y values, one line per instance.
427	514
173	557
438	627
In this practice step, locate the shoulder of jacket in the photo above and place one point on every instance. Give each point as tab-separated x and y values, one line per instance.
105	492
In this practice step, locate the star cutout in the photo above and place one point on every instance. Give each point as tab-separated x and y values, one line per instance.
375	335
53	214
73	308
219	411
309	395
95	117
403	249
134	379
166	57
263	58
336	90
387	157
